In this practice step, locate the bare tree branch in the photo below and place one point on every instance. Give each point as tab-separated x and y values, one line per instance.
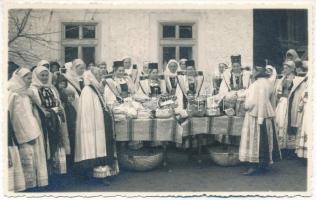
20	27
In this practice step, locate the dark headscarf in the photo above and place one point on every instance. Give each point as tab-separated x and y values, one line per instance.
12	68
54	63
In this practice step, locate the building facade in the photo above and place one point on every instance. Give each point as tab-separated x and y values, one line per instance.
207	36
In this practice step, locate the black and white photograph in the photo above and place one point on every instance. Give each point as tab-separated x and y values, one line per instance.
157	99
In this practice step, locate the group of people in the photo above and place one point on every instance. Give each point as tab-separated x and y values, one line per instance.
61	118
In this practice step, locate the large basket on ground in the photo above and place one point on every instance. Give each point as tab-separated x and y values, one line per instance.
224	155
144	159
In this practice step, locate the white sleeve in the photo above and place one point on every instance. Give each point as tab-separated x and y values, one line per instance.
109	96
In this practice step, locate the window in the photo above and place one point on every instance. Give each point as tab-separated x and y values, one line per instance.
79	41
71	53
177	41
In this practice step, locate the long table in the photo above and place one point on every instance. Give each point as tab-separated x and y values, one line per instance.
168	130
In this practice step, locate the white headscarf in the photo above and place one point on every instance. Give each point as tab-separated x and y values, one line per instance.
126	57
182	60
71	73
35	80
42	63
293	53
168	72
16	84
90	79
273	74
68	66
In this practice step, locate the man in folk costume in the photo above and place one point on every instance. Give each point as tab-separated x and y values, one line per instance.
132	71
74	75
259	145
95	144
235	81
289	90
119	86
153	84
171	76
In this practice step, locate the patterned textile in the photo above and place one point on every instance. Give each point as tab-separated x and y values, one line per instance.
173	82
168	130
303	131
302	145
258	142
236	81
48	98
148	130
15	171
124	90
155	90
33	160
286	141
59	165
223	125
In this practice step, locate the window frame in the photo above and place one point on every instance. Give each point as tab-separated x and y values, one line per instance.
80	42
177	41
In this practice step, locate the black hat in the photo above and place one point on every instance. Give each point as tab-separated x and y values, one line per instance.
190	63
236	59
117	64
261	63
153	66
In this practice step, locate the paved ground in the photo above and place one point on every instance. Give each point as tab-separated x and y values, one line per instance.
184	176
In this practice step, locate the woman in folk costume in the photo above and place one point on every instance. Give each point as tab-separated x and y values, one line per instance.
288	90
74	75
44	63
53	120
16	180
145	68
218	77
259	144
182	64
95	145
305	128
132	71
189	84
119	86
27	131
154	84
291	55
171	76
235	81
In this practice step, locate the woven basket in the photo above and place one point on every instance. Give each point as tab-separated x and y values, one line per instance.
140	160
224	155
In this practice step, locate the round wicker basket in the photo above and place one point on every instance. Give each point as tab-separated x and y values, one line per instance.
144	159
224	155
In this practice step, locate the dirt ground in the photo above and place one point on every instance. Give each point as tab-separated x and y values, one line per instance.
184	176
